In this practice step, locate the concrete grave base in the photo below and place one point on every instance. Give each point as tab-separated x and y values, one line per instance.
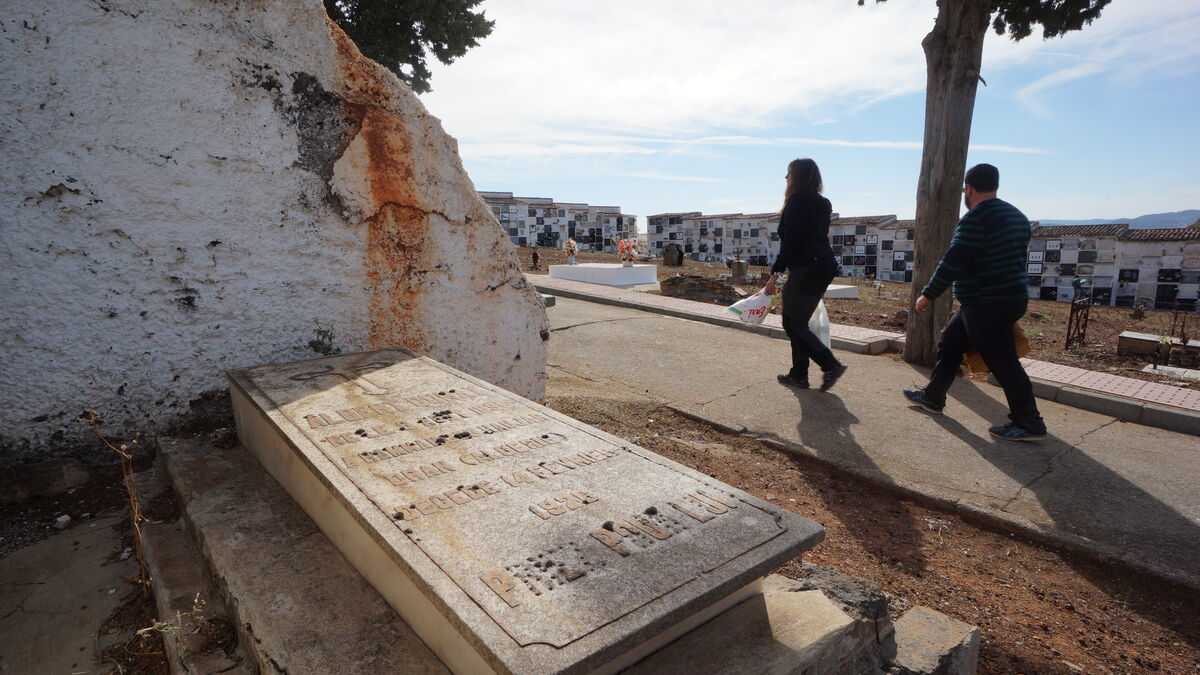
299	606
296	603
781	630
608	274
839	291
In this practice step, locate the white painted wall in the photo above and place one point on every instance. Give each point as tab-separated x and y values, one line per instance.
192	186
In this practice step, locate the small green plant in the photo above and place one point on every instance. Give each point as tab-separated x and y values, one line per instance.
323	343
184	623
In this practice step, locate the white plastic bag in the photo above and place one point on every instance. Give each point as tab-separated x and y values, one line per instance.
819	323
754	308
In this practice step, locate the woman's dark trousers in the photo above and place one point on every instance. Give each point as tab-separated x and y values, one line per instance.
801	294
988	327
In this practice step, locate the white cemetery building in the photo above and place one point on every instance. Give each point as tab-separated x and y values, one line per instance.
1117	265
541	221
680	228
1060	255
895	257
753	237
749	237
856	242
1164	264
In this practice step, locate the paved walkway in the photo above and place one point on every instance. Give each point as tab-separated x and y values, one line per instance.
1051	376
1118	490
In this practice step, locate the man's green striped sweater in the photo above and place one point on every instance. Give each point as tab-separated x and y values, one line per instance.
986	258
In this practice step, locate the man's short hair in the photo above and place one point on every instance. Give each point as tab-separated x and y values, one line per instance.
983	177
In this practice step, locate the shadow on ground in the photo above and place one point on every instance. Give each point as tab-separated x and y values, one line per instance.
825	417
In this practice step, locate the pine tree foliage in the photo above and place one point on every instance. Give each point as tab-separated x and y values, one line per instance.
400	34
1018	18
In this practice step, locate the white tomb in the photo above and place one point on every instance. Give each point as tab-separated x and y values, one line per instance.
608	274
840	291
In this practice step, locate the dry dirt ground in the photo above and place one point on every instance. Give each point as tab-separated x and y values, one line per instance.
1045	324
1041	611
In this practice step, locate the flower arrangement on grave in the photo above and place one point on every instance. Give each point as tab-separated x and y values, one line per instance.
627	250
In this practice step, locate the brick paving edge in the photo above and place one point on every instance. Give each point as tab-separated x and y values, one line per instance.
1128	409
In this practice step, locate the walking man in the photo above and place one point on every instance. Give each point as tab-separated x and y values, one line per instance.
986	263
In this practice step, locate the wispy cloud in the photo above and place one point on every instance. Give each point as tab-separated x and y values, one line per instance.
677	67
556	146
654	175
673	66
546	149
1126	42
684	94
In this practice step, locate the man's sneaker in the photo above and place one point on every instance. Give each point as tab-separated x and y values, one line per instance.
918	397
1012	432
789	381
831	376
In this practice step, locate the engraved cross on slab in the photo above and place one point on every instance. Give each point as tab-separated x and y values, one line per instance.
351	373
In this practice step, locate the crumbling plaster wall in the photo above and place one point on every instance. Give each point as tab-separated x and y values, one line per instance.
191	186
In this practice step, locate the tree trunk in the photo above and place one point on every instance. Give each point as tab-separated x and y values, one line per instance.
953	55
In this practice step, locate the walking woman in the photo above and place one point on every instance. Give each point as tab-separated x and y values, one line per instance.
805	254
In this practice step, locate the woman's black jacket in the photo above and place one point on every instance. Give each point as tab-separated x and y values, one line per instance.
804	237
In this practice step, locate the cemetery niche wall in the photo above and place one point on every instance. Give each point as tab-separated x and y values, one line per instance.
195	186
510	537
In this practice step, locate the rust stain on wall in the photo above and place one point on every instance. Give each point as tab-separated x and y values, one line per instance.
398	251
396	259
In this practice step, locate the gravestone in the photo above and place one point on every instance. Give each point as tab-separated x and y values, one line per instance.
739	271
673	255
513	539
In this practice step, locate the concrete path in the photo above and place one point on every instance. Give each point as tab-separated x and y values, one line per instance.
1148	403
1116	489
56	594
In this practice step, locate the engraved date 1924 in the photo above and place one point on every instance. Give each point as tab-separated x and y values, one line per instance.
560	504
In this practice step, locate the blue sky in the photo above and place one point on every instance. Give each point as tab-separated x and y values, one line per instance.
698	106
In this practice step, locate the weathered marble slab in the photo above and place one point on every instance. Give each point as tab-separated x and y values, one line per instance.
542	543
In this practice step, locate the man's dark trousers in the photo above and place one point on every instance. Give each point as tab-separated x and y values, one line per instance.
988	327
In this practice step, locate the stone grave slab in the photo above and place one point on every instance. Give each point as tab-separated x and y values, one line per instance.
512	538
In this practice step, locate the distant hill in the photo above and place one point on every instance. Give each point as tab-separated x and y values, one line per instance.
1174	219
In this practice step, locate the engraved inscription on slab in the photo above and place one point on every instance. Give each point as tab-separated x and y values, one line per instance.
553	529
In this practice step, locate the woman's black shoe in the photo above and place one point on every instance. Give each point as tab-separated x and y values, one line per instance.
789	381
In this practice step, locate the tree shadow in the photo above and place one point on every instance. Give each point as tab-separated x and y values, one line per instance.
1088	500
825	428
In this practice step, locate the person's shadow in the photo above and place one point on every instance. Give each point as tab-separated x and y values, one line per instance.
1087	500
825	429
